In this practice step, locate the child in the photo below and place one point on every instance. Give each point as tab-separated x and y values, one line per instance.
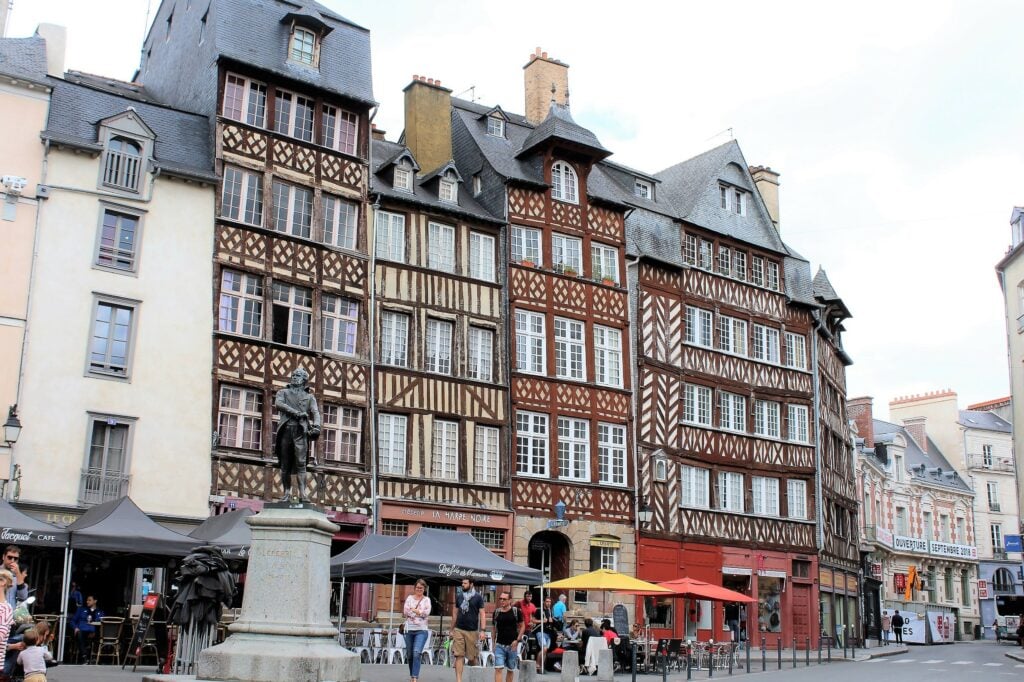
33	659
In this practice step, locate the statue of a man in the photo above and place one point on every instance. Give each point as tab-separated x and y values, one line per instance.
299	424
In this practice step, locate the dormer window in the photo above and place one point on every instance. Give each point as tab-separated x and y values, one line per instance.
564	186
303	46
496	126
403	176
733	199
122	164
642	189
448	189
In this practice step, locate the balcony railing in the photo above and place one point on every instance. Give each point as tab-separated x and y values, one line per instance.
100	486
121	170
998	553
990	463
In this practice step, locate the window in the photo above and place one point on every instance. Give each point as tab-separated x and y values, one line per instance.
477	185
707	254
403	176
732	335
611	454
724	260
481	354
530	342
765	495
342	429
303	46
739	203
448	189
965	587
563	183
945	528
901	521
732	411
773	276
1002	580
797	422
340	321
697	404
526	245
292	314
122	164
531	444
927	526
340	222
660	468
110	345
390	238
245	100
642	189
604	262
240	420
690	249
441	248
119	237
293	115
445	460
766	418
996	534
391	430
496	126
695	486
899	470
765	343
730	491
573	449
242	196
796	499
757	270
438	353
993	495
394	339
698	326
607	356
604	557
481	256
398	529
293	209
961	530
739	263
241	304
486	455
723	197
796	351
566	254
986	455
106	472
569	348
339	129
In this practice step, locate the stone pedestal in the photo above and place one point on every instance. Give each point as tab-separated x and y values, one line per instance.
284	631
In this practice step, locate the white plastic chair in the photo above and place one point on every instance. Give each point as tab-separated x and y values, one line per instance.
486	651
394	648
364	649
428	651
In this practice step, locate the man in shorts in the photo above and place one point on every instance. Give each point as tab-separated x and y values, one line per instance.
468	616
509	626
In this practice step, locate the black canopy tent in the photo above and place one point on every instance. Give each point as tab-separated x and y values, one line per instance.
228	531
365	547
18	528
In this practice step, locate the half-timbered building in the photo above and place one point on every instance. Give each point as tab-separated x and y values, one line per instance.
291	111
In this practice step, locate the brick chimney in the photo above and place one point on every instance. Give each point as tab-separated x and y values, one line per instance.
767	182
377	133
428	122
56	38
915	427
544	79
860	411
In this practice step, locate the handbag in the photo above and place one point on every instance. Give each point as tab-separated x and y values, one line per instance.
401	628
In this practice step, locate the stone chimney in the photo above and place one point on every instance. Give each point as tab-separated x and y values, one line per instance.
915	427
428	122
767	182
860	411
377	133
544	79
56	38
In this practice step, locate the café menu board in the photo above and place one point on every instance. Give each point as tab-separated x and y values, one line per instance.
149	606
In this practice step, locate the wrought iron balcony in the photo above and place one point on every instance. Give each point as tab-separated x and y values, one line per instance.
990	463
99	485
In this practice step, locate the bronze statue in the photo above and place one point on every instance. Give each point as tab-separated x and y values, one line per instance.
299	424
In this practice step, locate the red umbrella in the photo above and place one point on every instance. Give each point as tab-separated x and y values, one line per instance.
697	589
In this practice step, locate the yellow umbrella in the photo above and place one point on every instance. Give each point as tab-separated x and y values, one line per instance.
606	579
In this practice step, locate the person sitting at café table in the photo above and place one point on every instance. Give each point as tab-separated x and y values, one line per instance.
571	634
85	624
608	633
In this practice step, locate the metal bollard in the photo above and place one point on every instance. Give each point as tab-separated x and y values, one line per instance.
732	653
764	655
794	652
778	647
829	642
819	650
808	651
689	661
664	668
711	659
748	655
632	666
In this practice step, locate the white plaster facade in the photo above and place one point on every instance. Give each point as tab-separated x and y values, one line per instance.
1010	271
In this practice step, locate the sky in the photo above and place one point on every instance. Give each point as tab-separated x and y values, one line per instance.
896	127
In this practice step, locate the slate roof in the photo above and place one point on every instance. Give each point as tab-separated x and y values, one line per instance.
798	279
182	139
915	457
383	154
24	58
498	152
988	421
134	91
654	235
559	125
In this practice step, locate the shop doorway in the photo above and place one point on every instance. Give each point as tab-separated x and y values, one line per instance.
737	615
549	552
802	610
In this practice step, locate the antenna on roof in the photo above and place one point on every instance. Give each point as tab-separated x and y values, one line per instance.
723	132
470	89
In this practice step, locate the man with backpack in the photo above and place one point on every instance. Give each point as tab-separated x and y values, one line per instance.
897	626
509	626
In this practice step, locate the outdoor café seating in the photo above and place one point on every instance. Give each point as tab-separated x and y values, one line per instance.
109	640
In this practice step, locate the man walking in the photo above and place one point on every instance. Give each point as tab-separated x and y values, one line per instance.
897	626
468	616
509	626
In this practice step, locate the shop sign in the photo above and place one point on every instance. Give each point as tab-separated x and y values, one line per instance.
825	577
883	535
876	569
443	515
902	543
1012	543
945	549
851	584
899	582
983	589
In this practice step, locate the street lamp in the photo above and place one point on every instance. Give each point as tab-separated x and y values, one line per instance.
12	427
644	514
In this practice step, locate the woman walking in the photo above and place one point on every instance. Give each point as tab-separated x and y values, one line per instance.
416	611
886	627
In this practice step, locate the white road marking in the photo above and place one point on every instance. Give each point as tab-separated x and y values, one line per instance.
994	665
905	660
962	663
936	660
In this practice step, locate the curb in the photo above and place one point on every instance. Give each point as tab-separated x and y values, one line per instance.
1015	656
886	652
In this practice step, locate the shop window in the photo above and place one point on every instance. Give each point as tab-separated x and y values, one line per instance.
801	569
769	610
660	611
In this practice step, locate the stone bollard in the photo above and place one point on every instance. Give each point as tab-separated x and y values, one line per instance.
605	666
527	671
570	666
475	673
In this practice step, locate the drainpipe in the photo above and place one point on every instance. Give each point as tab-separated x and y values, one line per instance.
633	289
820	535
372	396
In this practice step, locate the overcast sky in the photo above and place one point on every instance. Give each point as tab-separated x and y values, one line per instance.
897	128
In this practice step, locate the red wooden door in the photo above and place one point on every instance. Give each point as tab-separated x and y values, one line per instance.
801	614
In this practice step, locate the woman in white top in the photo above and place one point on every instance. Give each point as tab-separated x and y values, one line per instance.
416	611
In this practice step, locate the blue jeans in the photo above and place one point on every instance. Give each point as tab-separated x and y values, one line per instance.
414	641
506	656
